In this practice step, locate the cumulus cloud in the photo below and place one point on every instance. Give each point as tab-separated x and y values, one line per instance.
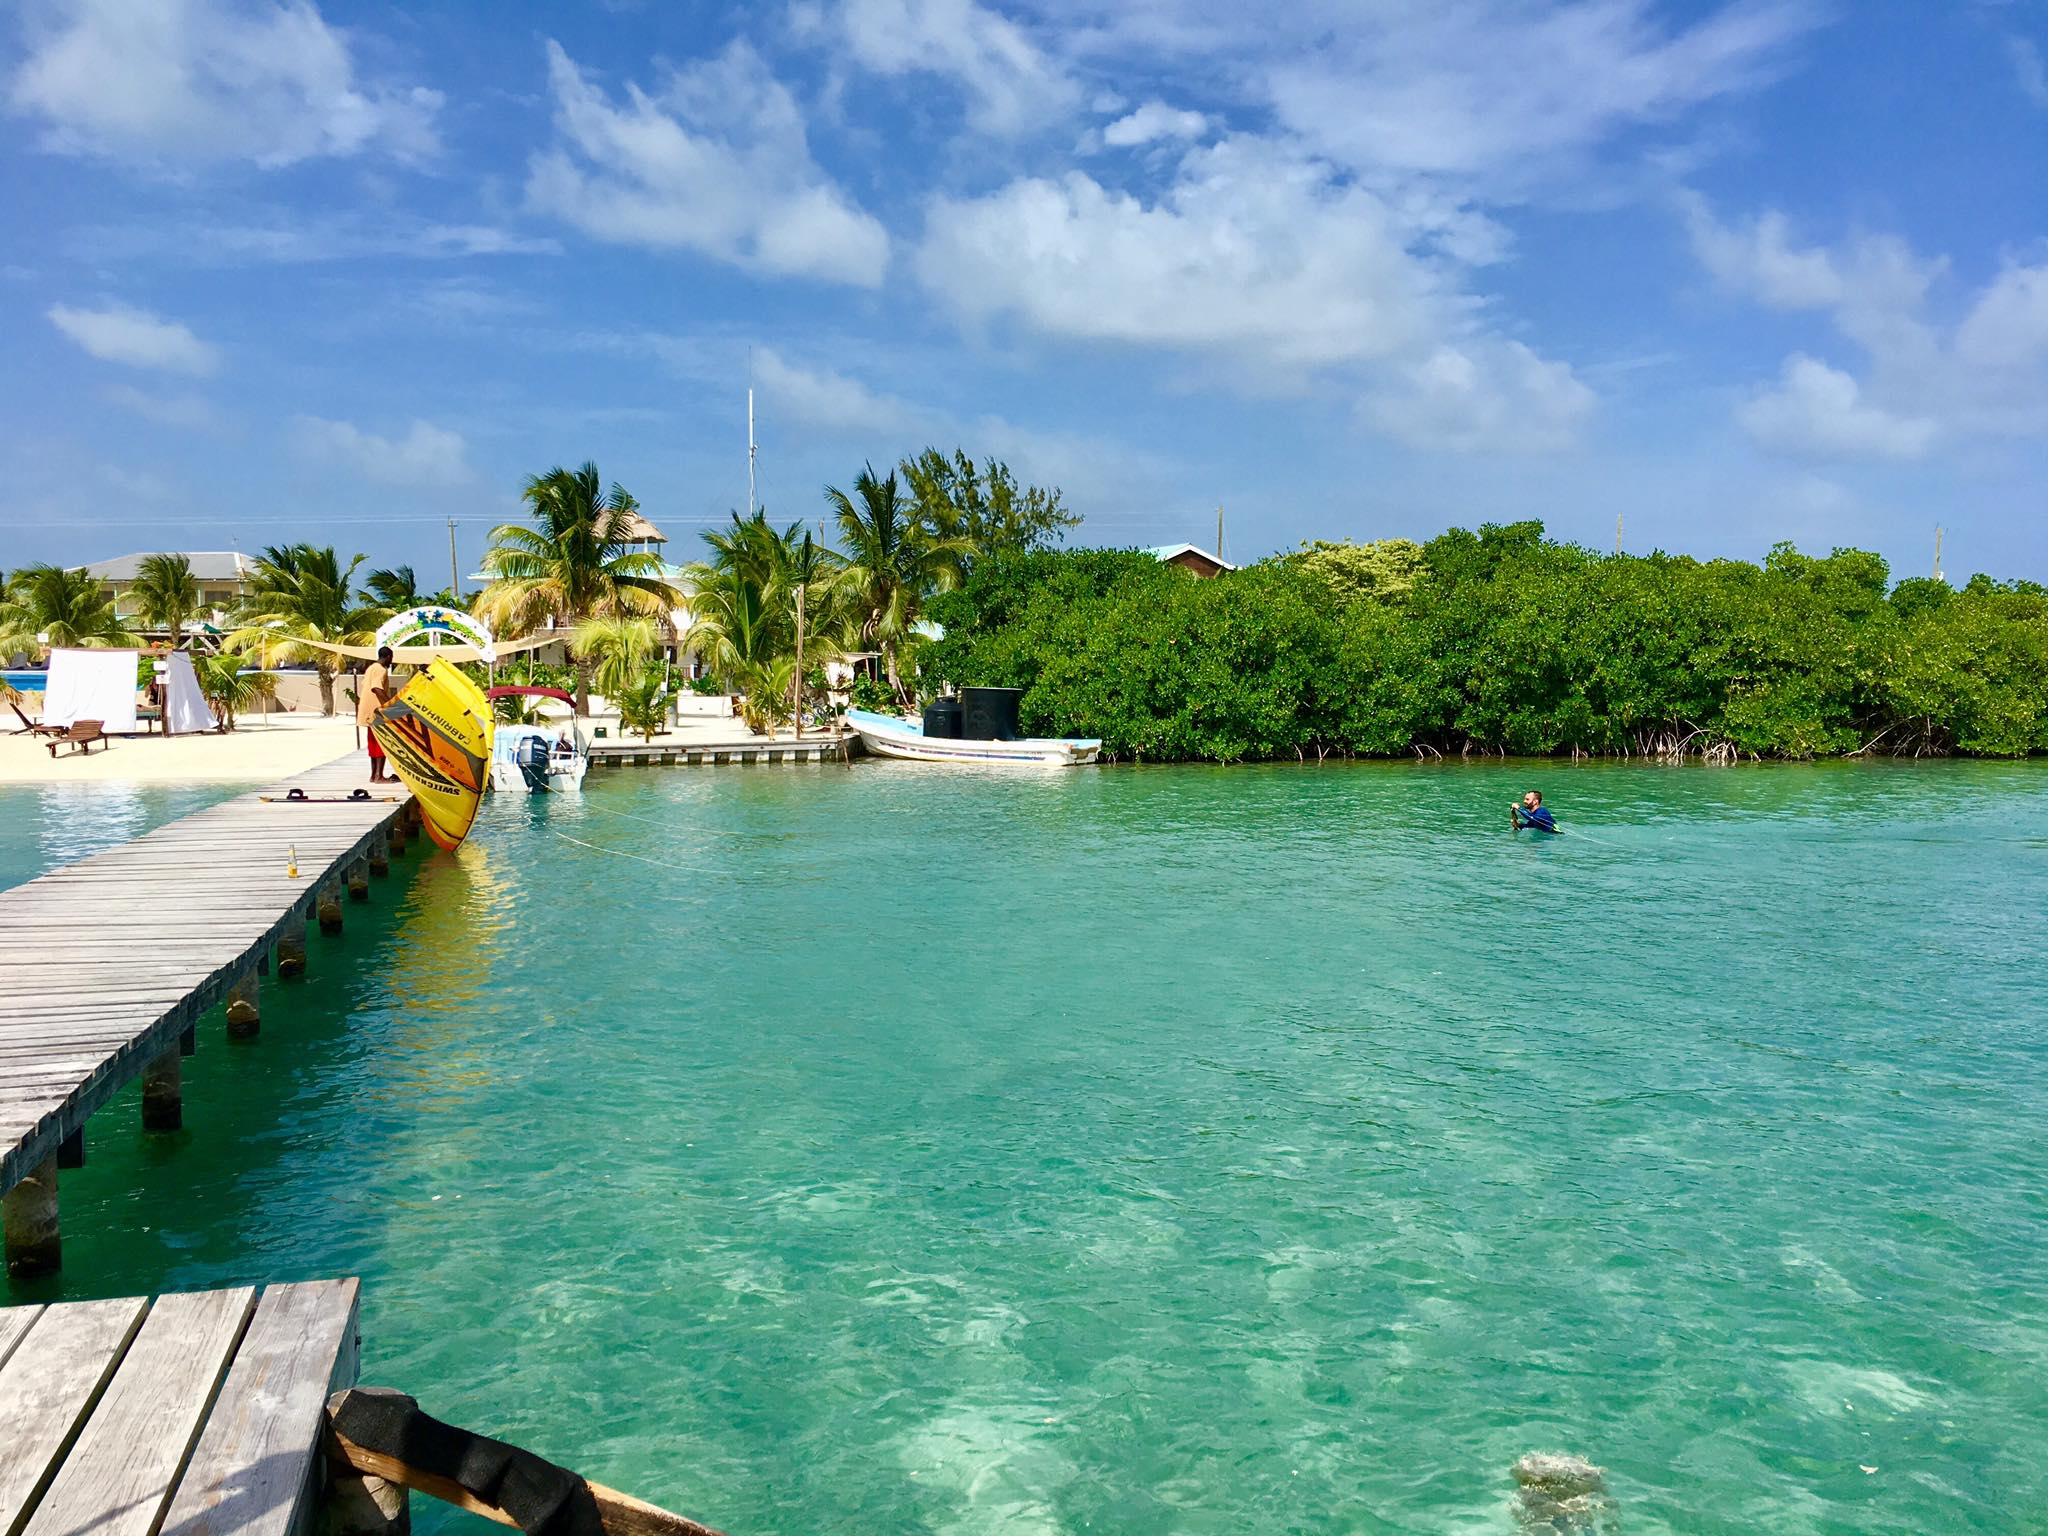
190	412
716	161
1817	411
425	455
173	81
821	398
1272	264
1921	380
1154	121
117	334
2028	69
1011	85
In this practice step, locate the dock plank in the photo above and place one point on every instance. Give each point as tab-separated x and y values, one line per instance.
47	1387
252	1471
115	1479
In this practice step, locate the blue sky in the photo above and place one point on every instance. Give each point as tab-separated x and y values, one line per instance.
1738	272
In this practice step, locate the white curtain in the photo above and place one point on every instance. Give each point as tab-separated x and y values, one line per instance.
91	685
185	707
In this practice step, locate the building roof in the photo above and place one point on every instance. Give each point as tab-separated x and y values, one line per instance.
1164	552
639	530
207	565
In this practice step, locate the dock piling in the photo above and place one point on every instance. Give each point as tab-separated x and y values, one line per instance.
358	1504
380	859
188	1040
71	1150
163	1093
30	1219
245	1014
291	950
328	908
359	881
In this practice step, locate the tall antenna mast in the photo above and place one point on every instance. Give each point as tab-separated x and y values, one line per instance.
751	450
1937	551
1219	530
1617	533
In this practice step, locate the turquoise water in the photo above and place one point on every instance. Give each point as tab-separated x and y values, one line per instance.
43	826
1176	1150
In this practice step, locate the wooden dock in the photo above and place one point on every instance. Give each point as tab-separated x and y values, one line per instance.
646	754
195	1415
110	963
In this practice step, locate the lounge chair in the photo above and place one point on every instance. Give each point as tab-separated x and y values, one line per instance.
30	727
80	737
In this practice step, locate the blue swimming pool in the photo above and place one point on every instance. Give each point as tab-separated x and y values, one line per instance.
27	682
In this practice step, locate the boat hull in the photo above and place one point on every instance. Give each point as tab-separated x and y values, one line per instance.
906	741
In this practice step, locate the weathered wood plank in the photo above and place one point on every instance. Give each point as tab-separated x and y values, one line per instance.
255	1468
119	1472
14	1325
49	1384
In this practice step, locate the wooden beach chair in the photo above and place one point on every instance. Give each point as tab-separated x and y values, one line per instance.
80	737
33	728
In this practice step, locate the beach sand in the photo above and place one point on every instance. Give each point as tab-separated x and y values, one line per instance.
254	752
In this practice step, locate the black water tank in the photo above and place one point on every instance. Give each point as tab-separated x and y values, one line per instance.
989	714
942	719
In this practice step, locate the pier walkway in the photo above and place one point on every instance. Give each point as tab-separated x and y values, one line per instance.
110	962
689	753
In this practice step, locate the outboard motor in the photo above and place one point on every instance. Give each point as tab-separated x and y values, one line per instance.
531	754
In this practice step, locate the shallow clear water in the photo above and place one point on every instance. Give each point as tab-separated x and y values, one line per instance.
43	826
1176	1150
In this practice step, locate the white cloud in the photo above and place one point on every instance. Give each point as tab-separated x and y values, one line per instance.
345	238
1012	86
1815	411
168	81
717	161
2029	70
1496	93
832	402
1490	396
426	455
1922	380
1154	121
118	334
1274	266
190	412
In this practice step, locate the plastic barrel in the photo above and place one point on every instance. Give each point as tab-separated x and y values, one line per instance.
942	719
989	714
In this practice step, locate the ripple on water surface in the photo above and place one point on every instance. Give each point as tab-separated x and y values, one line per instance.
1177	1150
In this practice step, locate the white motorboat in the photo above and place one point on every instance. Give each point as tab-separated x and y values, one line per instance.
537	759
888	736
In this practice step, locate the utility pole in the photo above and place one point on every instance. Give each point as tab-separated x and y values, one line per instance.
454	570
1937	551
1219	530
751	450
1617	533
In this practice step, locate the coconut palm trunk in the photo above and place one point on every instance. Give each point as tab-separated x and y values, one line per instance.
796	684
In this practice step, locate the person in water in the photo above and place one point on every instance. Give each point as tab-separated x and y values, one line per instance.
1529	812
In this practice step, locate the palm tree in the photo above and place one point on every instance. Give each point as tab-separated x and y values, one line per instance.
230	689
47	605
618	647
574	563
166	595
894	560
395	588
642	701
299	592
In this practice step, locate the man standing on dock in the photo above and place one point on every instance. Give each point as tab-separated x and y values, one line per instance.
374	692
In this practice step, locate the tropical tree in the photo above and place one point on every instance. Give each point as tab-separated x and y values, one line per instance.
573	562
300	593
984	504
642	700
895	559
230	688
47	605
618	646
394	587
166	595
